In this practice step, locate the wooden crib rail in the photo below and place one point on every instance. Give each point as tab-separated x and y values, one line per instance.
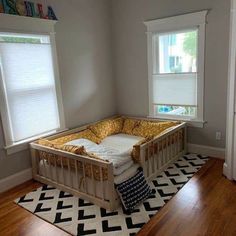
158	153
68	154
69	172
170	131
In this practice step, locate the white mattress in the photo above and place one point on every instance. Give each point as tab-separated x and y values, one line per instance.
115	149
44	170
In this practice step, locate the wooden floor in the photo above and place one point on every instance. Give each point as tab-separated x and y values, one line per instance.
206	205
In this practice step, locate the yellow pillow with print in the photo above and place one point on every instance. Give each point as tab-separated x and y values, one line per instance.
80	150
107	127
149	128
129	125
86	134
46	143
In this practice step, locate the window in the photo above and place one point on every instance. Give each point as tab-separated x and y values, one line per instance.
176	66
30	104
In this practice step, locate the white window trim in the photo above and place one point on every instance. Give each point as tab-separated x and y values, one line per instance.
30	25
177	23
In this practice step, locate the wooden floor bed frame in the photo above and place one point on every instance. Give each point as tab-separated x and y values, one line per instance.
155	156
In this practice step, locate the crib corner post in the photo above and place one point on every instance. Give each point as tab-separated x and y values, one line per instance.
111	184
143	161
34	160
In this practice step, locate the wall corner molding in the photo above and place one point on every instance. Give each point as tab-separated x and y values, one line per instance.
15	179
206	150
226	172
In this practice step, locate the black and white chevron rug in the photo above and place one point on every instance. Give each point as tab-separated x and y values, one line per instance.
79	217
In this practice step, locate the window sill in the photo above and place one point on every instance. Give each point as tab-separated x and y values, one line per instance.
24	145
190	123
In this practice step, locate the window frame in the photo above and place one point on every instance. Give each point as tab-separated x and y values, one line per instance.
27	25
175	24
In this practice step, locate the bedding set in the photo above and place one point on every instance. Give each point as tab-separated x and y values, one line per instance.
116	141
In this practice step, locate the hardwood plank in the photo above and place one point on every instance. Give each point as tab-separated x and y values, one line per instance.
14	220
206	205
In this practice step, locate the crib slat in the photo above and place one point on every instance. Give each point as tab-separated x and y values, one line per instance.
157	156
153	158
44	167
166	149
76	174
55	163
164	157
69	170
93	180
178	141
161	152
84	176
148	161
101	180
154	153
165	153
171	147
62	168
50	169
71	174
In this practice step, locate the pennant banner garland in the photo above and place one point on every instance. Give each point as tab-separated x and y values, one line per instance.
26	8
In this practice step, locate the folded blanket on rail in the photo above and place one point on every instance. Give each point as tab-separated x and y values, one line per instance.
119	165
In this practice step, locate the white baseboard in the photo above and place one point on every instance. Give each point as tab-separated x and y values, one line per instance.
14	180
206	150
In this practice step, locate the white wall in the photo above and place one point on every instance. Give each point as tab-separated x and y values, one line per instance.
84	52
130	59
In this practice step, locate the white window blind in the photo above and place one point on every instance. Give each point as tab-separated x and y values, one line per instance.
175	89
28	78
